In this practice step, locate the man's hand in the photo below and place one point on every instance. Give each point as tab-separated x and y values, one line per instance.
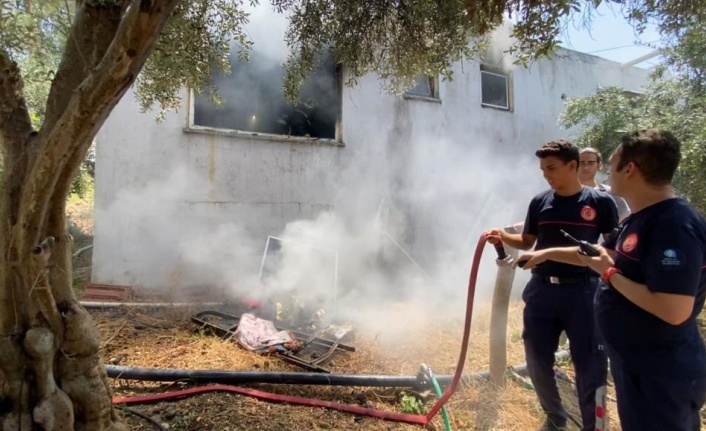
531	259
494	235
600	263
515	240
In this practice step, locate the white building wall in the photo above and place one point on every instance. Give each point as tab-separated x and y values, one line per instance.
453	161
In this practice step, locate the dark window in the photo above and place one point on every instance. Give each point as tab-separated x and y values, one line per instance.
253	100
634	99
426	86
494	90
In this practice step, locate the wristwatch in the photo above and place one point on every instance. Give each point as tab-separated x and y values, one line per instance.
609	273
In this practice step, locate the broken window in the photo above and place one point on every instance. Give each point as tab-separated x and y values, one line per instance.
632	94
253	100
634	99
495	89
425	86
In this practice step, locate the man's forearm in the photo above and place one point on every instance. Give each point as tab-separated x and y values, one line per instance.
671	308
564	255
515	240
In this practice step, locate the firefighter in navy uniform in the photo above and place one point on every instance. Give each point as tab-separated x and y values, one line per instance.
654	276
592	162
559	296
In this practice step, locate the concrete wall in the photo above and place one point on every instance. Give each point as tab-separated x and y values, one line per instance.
425	161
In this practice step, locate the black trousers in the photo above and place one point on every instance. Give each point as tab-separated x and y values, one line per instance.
550	309
654	403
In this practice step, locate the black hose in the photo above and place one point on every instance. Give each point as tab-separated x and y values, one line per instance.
287	378
500	250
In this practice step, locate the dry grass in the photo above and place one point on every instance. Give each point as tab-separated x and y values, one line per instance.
169	340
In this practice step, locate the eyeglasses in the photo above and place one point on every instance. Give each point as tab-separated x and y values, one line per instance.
588	162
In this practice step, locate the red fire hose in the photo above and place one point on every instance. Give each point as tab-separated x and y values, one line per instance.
381	414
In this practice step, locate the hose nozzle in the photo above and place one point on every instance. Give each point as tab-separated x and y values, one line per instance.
500	250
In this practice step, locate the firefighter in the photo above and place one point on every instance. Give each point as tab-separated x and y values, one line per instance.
559	296
591	161
654	276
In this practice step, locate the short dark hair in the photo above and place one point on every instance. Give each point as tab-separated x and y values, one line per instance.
561	149
591	150
656	152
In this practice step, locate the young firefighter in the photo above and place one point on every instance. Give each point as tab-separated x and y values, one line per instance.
655	281
559	296
590	163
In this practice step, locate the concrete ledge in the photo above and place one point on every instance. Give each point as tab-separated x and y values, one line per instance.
263	136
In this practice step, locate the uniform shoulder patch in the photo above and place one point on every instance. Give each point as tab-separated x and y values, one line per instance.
629	243
671	258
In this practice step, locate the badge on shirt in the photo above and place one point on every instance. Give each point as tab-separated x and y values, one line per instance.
588	213
629	243
671	259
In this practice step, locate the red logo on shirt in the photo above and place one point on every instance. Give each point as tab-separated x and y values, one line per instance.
588	213
629	243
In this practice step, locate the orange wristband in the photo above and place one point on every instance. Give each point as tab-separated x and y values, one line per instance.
609	273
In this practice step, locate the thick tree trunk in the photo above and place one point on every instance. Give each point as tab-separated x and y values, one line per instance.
50	374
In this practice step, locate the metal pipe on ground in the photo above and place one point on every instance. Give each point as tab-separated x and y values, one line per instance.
94	305
286	378
290	378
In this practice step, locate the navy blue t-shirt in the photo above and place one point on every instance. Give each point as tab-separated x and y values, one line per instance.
585	216
664	247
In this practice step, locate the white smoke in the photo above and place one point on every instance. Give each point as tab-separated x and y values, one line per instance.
406	237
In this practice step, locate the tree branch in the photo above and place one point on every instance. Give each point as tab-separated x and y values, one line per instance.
90	104
15	124
90	36
60	277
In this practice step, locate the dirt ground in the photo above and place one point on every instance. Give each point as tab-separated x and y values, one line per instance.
167	339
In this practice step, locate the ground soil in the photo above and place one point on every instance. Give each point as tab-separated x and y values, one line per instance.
167	339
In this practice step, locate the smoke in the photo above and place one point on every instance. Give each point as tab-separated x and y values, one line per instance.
407	235
414	243
266	30
178	243
456	193
257	104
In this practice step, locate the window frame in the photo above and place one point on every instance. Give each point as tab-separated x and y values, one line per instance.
508	88
434	85
192	127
